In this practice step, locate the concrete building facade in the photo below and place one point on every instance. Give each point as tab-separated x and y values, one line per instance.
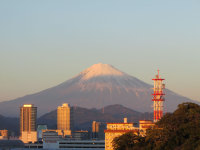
117	129
144	125
28	117
65	118
3	134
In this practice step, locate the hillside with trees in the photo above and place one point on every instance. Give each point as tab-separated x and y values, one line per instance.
83	117
179	130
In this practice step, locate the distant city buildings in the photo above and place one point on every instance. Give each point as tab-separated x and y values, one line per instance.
28	117
95	129
65	136
98	130
3	134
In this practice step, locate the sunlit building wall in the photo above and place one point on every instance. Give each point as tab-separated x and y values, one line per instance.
28	116
95	129
3	134
28	137
144	125
116	130
65	118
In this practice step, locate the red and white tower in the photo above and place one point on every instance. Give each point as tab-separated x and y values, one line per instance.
158	97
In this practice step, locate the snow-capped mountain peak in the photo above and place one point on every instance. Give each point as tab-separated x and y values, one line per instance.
98	86
100	70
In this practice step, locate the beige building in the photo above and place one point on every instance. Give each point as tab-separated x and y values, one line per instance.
65	119
98	130
95	126
95	129
117	129
27	137
28	116
144	125
3	134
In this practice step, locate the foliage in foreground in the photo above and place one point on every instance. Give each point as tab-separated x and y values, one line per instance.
127	141
179	130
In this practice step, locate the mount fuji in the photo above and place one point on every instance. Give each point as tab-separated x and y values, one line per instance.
96	87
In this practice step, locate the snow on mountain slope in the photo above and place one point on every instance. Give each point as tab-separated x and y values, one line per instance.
100	70
96	87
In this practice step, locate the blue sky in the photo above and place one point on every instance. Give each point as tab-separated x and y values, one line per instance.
43	43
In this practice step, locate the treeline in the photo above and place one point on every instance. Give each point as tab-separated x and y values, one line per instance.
179	130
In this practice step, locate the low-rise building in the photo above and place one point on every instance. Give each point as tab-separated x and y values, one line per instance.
61	133
3	134
82	144
29	136
80	135
40	127
144	125
117	129
98	130
51	139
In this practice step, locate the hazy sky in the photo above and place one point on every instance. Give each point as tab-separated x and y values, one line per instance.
45	42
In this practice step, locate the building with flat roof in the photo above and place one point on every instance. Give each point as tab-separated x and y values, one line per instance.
3	134
82	144
80	135
98	130
144	125
52	140
117	129
28	117
65	118
40	127
95	129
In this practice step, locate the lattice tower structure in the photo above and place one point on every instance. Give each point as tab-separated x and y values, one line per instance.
158	97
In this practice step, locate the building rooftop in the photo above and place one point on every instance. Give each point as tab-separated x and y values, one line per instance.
28	105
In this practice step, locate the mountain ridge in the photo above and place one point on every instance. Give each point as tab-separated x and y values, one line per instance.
83	117
98	86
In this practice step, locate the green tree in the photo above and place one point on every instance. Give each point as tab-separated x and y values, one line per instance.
179	130
127	141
